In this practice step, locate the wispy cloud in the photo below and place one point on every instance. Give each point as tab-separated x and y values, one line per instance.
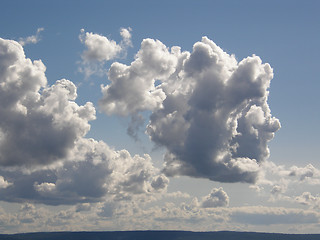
33	39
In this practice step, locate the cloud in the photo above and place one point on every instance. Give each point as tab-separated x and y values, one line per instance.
33	39
132	88
308	199
126	37
160	182
273	174
100	49
4	183
209	111
39	124
217	198
269	216
136	122
83	207
44	155
308	173
91	173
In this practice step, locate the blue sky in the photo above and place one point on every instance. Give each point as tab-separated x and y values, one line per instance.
68	177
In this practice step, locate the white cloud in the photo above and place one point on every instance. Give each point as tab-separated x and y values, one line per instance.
308	173
100	49
4	183
44	156
92	172
132	88
308	199
33	39
126	36
272	174
217	198
30	115
32	111
209	111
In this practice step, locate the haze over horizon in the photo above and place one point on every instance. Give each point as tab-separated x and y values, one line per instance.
184	115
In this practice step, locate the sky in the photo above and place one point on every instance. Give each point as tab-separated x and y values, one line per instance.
159	115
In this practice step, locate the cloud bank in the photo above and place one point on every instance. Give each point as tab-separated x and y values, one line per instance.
44	155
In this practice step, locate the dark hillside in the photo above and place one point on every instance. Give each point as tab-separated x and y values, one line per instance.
158	235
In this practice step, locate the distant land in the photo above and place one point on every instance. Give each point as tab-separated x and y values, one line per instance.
157	235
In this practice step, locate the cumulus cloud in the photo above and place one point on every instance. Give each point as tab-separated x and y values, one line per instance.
160	182
217	198
38	124
308	173
91	173
44	155
4	183
209	111
132	88
308	199
100	49
33	39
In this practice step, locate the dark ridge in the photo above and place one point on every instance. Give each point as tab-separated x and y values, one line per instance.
157	235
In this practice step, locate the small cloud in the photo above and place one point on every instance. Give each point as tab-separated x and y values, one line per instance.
126	37
4	183
33	39
100	49
217	198
308	199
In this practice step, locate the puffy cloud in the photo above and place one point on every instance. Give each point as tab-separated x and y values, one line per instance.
33	39
44	156
160	182
217	198
126	35
4	183
100	49
220	127
208	110
39	124
277	189
308	173
92	172
307	198
132	88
